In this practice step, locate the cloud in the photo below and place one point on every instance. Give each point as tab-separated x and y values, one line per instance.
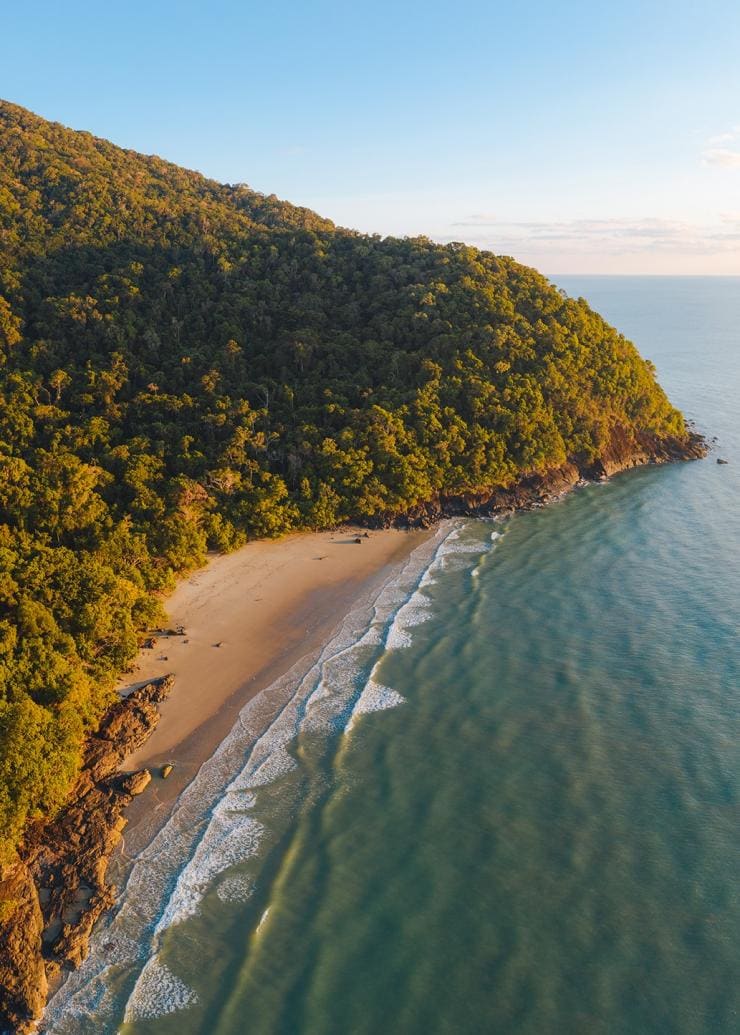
649	235
478	219
724	138
722	156
583	228
717	153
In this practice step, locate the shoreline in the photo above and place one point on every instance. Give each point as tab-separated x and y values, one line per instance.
310	588
241	634
237	640
262	635
252	616
157	857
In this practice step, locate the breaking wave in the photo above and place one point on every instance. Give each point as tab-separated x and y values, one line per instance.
158	992
213	831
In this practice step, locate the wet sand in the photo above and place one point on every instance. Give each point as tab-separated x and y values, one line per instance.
248	617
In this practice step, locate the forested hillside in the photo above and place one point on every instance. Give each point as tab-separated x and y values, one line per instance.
185	364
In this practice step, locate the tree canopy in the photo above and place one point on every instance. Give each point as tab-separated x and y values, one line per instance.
185	364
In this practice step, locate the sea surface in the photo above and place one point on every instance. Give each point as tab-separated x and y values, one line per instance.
505	798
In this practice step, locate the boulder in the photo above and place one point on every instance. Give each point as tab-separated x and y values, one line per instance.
135	783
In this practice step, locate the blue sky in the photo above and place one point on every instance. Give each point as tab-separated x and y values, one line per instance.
578	137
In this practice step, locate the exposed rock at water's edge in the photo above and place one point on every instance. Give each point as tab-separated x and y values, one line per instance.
535	490
53	893
23	986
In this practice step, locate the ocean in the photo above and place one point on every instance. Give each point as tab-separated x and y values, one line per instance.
505	797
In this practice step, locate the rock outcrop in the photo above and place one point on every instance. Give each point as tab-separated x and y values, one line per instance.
535	490
54	892
23	985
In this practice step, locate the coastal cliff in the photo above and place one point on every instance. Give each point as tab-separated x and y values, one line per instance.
623	452
53	892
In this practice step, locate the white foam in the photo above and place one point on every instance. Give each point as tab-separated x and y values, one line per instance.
232	835
213	828
235	888
277	763
458	548
232	838
452	555
495	536
336	685
417	610
158	992
323	697
418	607
374	698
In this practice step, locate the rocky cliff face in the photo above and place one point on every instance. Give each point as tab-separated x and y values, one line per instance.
623	452
23	984
53	893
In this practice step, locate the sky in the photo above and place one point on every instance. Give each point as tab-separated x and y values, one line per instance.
599	137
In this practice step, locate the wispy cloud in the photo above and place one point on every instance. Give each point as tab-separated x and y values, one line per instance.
605	236
721	156
724	138
717	153
480	219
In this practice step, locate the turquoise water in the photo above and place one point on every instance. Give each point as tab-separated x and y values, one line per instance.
505	799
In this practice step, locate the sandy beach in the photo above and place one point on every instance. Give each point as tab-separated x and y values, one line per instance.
248	617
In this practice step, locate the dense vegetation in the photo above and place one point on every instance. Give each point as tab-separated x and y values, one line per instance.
185	364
